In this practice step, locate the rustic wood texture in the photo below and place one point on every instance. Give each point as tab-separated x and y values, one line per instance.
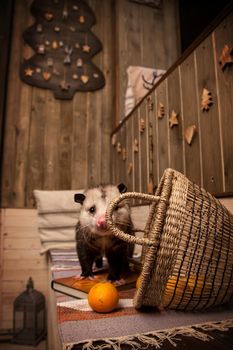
5	30
12	131
52	144
136	152
163	143
221	36
206	159
175	133
122	160
129	155
145	37
128	51
153	120
143	149
79	138
118	156
190	114
20	259
209	121
114	158
1	265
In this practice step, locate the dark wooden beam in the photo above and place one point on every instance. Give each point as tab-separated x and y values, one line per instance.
6	14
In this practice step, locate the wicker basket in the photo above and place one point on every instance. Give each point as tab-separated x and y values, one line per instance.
187	259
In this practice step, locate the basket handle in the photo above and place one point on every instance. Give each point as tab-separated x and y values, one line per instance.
121	234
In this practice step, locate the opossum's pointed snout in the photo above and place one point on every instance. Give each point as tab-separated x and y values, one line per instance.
101	223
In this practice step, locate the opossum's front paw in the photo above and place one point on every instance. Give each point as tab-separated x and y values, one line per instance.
81	277
115	279
85	277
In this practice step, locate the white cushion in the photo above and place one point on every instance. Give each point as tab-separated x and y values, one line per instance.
57	217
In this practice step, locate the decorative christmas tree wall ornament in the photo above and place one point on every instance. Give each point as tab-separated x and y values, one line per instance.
206	100
142	125
135	146
226	57
173	120
161	111
64	46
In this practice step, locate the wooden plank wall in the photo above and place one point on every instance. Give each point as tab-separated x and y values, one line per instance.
208	159
5	28
53	144
145	37
20	259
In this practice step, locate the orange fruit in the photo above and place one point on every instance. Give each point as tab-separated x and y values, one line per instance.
103	297
196	282
174	289
172	283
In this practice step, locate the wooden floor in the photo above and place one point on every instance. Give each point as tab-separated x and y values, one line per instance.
10	346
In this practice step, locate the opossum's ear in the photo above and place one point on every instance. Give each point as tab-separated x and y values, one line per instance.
122	188
79	198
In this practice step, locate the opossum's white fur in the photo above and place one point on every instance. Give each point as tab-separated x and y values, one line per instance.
95	198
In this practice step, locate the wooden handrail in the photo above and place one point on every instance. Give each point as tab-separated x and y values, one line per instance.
209	29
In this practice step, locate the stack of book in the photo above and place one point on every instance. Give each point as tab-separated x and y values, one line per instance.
79	288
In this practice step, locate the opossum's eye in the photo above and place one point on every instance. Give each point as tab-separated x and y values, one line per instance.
92	209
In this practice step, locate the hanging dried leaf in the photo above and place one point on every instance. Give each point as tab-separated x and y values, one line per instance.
130	168
161	111
114	139
226	57
142	125
150	103
118	147
135	146
173	120
206	100
189	133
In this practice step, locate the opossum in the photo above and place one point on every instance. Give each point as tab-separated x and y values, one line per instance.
94	240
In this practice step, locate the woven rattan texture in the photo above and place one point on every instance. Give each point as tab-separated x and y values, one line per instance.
187	259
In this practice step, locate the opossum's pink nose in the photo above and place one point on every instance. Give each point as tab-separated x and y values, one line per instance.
101	223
